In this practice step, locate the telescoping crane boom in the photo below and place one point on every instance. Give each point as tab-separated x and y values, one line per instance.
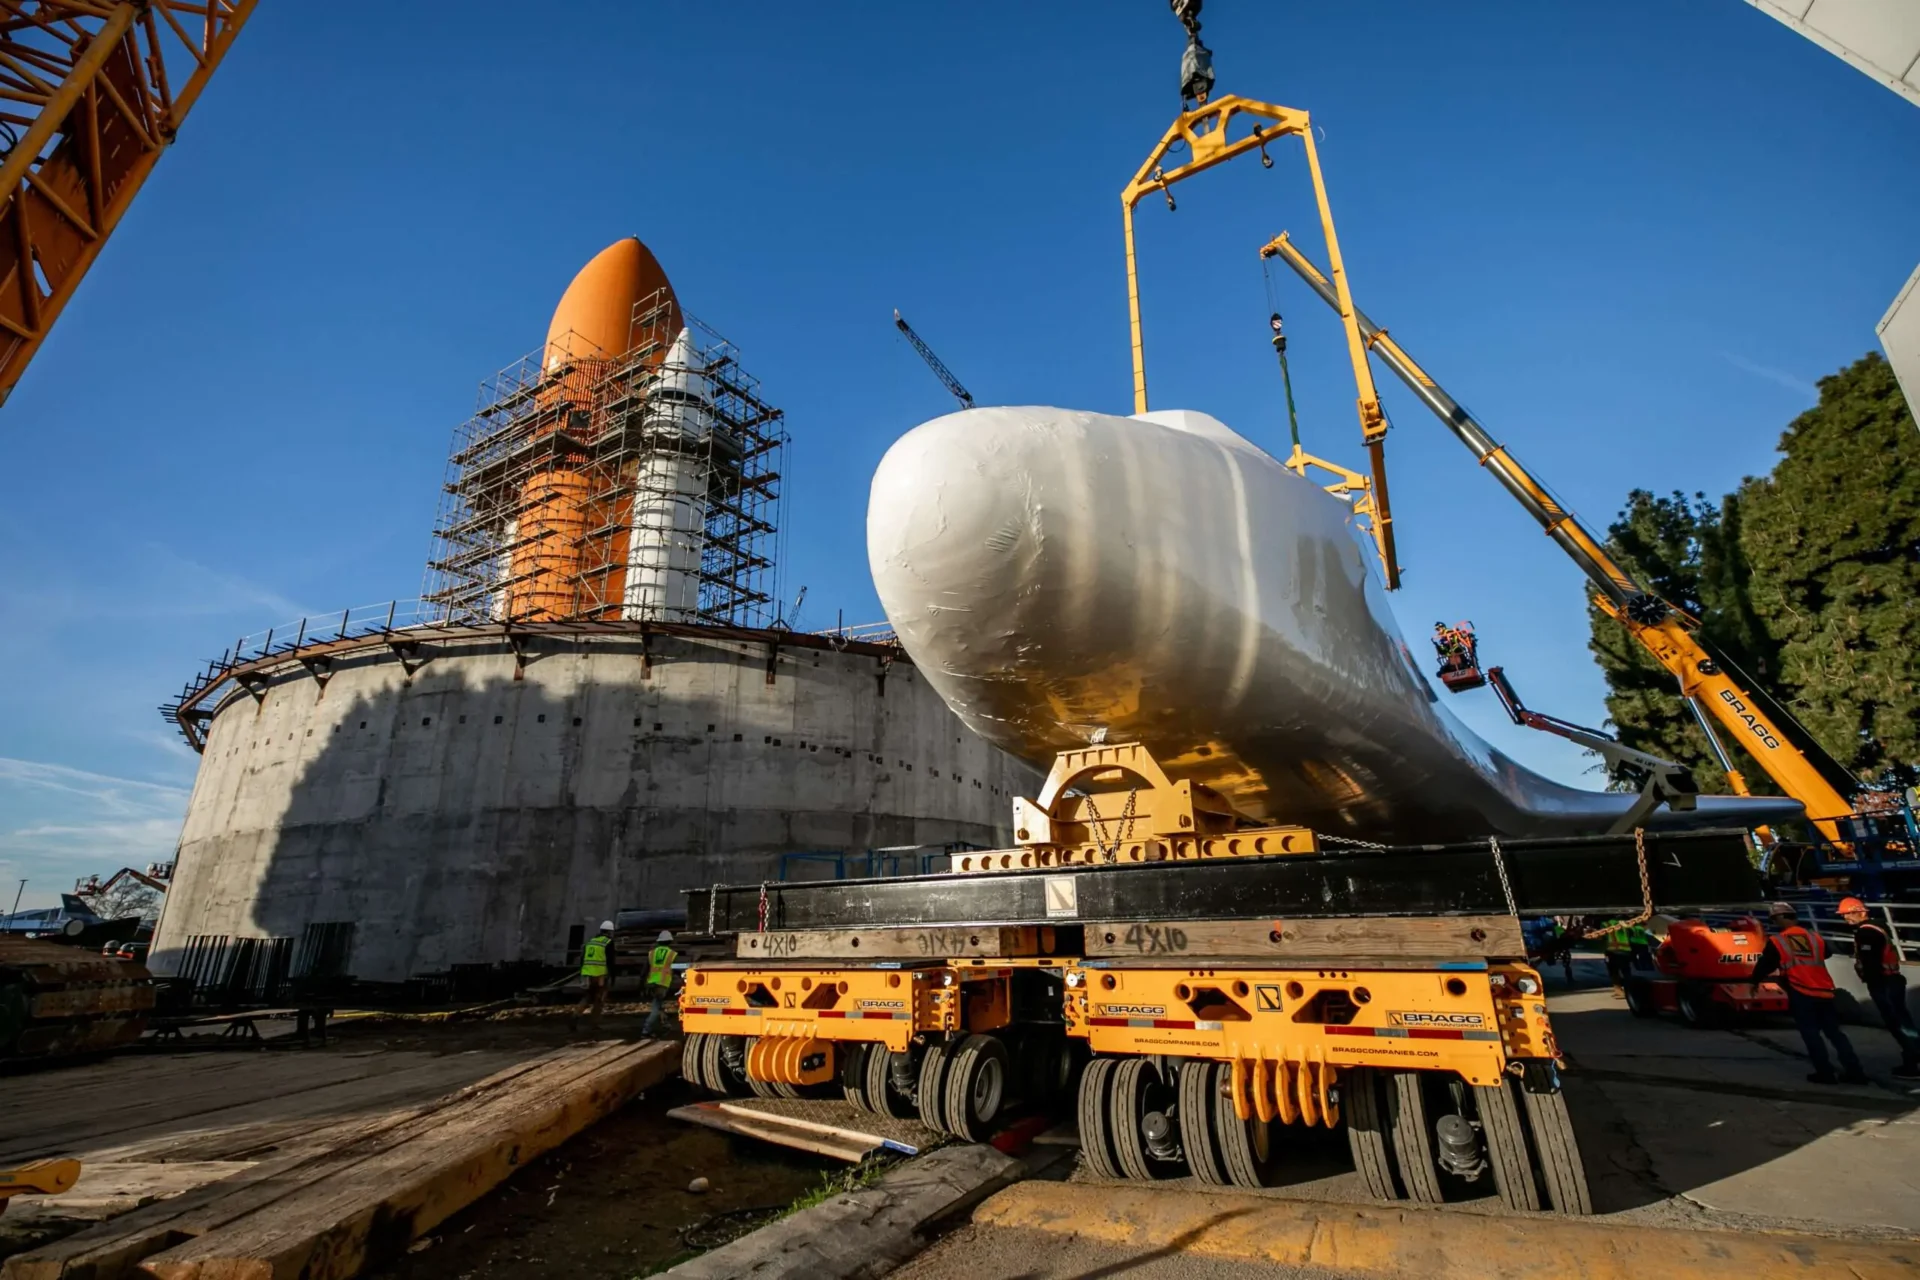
1711	684
940	370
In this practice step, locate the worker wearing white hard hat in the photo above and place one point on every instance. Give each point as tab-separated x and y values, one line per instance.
659	980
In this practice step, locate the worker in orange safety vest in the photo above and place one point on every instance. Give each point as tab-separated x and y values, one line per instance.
1876	960
1800	958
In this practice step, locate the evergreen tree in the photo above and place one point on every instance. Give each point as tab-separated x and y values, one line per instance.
1807	579
1686	551
1833	541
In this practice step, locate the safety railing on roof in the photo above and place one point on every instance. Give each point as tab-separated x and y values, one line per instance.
1901	920
357	623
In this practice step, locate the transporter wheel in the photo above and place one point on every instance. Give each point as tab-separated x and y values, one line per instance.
1043	1066
1096	1130
693	1054
976	1087
1412	1136
1557	1153
1199	1086
883	1099
931	1095
1506	1140
1246	1146
1640	999
1139	1096
853	1073
1368	1131
713	1066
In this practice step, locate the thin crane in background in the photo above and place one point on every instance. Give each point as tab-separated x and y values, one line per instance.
940	370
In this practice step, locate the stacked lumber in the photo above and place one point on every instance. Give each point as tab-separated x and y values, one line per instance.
329	1215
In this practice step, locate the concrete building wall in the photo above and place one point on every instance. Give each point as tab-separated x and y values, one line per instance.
460	815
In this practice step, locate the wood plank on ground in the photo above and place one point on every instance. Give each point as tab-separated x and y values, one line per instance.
112	1250
335	1227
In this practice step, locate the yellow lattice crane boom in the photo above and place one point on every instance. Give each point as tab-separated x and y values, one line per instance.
91	92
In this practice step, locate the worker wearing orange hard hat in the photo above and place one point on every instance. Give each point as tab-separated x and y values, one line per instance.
1876	959
1800	959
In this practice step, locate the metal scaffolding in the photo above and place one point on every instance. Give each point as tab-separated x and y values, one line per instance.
585	481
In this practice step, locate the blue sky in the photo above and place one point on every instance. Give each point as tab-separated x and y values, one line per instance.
1630	236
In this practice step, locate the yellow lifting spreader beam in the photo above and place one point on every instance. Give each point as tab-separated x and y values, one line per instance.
1205	133
1802	768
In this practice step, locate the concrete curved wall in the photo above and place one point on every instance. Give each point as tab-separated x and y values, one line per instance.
462	815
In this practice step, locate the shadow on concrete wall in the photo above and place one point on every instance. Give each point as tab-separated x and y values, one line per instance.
457	818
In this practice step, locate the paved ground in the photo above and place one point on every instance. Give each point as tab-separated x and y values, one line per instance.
973	1253
1679	1128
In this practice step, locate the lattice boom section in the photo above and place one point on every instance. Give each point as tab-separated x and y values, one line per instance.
590	486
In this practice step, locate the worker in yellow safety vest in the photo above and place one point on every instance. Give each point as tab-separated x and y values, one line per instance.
659	980
596	966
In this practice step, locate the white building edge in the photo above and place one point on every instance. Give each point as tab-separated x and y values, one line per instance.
1882	39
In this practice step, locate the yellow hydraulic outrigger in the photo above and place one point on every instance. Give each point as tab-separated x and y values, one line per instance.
1802	768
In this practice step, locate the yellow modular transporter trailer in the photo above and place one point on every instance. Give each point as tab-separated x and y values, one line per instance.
1208	982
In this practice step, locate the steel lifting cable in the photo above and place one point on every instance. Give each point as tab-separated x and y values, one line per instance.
1280	349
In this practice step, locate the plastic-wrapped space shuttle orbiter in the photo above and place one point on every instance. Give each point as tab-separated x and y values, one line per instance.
1059	575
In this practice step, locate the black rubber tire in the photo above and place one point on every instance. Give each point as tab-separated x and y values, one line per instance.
1557	1153
1412	1136
693	1055
1246	1146
1131	1080
931	1096
1506	1139
882	1098
1199	1084
1367	1132
1695	1009
853	1072
1096	1131
713	1070
978	1079
1640	999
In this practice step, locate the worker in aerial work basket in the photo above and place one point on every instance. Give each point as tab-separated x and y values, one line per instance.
596	967
1800	958
1876	959
659	980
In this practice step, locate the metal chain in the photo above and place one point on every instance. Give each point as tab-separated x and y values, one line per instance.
1506	885
1646	886
1347	842
763	906
713	908
1098	827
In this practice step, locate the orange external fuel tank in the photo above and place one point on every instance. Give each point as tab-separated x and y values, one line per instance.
559	509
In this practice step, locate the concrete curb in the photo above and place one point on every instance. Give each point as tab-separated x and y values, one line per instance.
863	1233
1361	1240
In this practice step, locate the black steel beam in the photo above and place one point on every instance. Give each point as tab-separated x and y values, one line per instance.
1577	876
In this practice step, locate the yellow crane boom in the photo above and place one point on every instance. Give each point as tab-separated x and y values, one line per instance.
87	104
1770	735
